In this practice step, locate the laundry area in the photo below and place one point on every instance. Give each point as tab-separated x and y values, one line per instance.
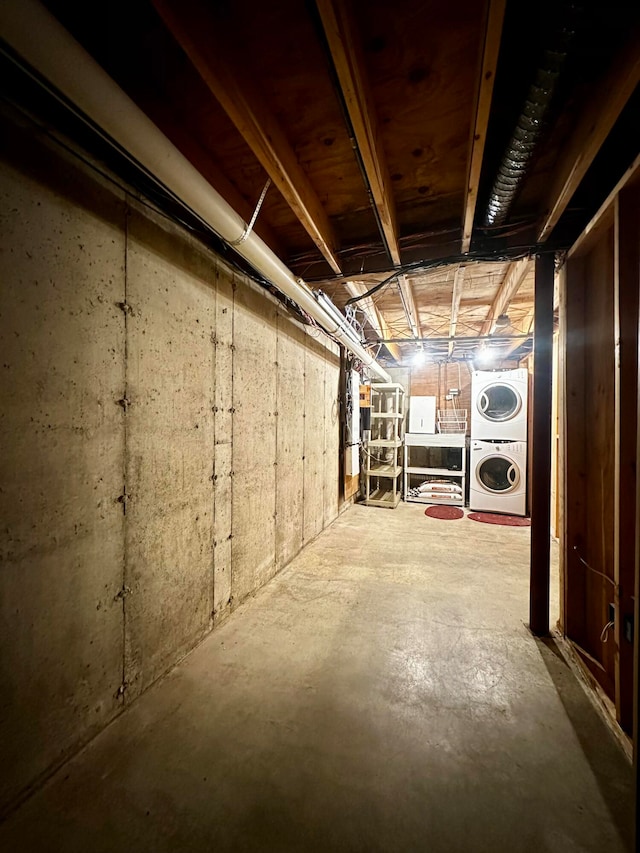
432	457
319	426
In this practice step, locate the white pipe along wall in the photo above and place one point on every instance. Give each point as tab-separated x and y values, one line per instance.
36	36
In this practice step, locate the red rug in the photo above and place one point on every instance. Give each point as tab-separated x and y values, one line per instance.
496	518
447	513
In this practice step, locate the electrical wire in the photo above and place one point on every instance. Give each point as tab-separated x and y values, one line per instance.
477	257
371	456
604	636
249	226
595	571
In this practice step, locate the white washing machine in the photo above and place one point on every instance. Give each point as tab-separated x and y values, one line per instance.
499	404
498	481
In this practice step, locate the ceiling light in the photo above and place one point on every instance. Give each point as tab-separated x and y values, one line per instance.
419	358
502	321
484	356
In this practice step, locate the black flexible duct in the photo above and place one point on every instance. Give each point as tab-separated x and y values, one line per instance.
521	147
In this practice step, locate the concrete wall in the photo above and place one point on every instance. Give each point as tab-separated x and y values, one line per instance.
169	438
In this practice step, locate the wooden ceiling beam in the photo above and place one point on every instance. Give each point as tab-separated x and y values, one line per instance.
409	306
604	107
512	280
527	328
346	53
456	296
375	318
195	31
489	62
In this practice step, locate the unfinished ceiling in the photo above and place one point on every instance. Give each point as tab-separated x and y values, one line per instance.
427	147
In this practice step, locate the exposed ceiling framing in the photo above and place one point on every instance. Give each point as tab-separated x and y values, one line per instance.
240	97
409	305
456	296
346	53
486	79
506	292
377	322
526	325
595	124
382	127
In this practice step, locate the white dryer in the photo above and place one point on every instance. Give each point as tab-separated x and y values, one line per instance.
498	481
499	404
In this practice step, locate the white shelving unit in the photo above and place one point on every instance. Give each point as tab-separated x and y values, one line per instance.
455	474
383	466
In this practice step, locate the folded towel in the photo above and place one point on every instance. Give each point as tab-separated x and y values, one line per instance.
440	487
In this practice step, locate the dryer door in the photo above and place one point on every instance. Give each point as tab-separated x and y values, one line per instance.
499	402
498	475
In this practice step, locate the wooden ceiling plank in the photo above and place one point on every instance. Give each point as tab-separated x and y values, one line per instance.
487	75
456	296
195	31
374	316
346	52
513	278
605	105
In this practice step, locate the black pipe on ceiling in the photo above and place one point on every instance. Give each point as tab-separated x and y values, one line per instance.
529	126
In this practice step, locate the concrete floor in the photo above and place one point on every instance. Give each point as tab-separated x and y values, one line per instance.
381	694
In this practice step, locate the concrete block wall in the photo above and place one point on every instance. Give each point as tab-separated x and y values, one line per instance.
169	442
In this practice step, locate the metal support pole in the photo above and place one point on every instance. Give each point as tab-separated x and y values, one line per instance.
541	438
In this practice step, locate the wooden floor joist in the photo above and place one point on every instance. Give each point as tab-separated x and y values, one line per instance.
346	53
486	78
190	23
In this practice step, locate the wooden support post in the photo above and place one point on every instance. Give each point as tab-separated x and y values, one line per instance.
541	438
626	286
636	662
628	225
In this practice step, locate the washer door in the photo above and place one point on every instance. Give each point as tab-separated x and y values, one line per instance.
499	402
498	475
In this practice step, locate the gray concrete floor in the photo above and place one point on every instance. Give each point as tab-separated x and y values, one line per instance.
381	694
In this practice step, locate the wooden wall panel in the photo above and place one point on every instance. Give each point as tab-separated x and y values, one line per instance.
590	456
574	449
599	425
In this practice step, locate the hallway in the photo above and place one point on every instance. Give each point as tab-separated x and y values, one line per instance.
381	694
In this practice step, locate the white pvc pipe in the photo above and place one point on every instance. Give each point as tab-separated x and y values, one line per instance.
35	35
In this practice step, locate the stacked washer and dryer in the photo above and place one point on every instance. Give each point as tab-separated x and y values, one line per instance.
498	475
